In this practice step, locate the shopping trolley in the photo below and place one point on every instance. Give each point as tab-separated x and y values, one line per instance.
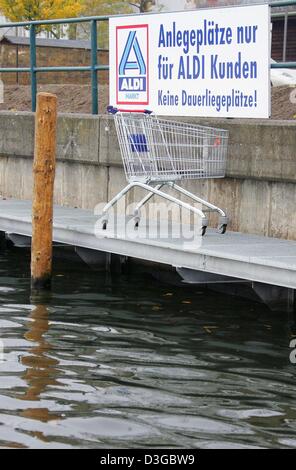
158	152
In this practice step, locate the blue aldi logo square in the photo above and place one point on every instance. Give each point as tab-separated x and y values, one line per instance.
132	80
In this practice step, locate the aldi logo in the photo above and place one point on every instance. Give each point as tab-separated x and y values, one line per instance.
132	81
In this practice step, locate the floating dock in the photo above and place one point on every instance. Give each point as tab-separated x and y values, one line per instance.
269	264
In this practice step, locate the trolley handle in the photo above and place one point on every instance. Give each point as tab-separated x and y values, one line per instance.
112	110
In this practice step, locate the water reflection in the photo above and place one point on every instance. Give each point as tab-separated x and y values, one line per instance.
135	363
41	369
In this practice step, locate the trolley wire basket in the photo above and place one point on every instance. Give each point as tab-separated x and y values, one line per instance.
155	150
158	152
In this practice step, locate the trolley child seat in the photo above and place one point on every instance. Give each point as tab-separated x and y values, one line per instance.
158	152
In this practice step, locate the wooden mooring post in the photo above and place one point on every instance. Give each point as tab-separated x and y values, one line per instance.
44	174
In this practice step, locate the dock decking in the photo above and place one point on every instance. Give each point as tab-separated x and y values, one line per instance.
248	257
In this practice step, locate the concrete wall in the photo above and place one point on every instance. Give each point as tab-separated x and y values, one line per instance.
259	192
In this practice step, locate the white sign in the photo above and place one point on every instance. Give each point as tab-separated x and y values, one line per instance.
212	62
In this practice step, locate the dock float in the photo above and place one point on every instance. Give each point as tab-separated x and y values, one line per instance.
266	263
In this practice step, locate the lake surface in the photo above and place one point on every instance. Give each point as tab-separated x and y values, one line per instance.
127	362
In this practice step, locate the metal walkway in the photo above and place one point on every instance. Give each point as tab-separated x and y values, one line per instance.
240	256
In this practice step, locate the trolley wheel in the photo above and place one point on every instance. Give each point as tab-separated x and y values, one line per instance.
203	230
104	225
222	228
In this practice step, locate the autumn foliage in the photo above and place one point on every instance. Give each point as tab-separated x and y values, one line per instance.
28	10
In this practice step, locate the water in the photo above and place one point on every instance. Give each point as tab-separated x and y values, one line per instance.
130	363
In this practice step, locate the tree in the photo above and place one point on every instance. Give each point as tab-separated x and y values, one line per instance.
104	7
99	8
29	10
143	5
110	7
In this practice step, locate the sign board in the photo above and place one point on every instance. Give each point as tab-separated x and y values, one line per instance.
210	62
